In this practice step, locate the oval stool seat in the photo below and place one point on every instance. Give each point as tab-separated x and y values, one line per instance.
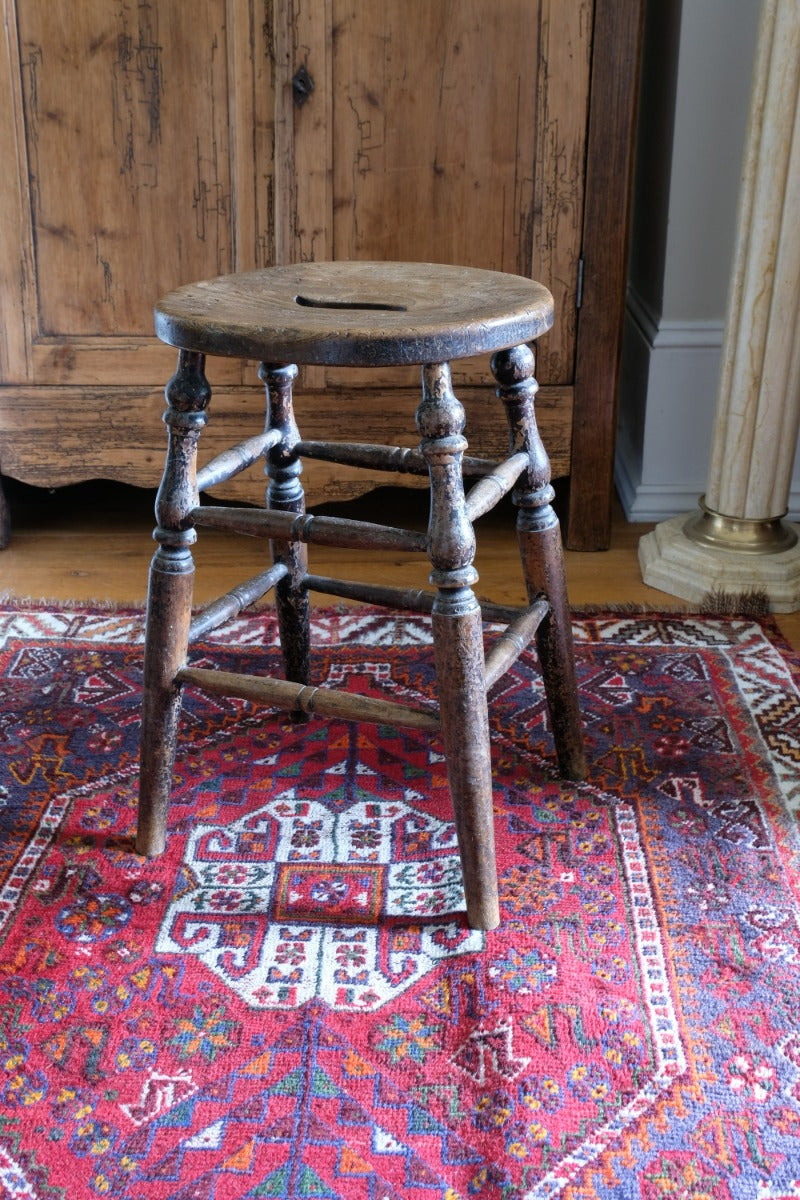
356	314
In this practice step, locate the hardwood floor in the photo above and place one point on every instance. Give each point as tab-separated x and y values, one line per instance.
93	542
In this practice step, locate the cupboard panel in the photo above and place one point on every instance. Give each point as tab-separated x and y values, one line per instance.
113	160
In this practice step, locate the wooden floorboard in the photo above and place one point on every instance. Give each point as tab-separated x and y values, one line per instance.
92	543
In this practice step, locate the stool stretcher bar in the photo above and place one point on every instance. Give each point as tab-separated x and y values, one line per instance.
513	641
233	602
236	459
521	623
324	531
412	599
298	697
375	457
489	490
366	454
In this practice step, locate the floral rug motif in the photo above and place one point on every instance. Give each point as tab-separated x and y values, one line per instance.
289	1003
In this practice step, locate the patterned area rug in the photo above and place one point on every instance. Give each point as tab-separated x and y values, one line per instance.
289	1004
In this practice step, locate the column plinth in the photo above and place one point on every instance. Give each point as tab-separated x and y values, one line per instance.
739	541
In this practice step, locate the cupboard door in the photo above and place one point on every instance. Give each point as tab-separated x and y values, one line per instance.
455	132
150	144
123	117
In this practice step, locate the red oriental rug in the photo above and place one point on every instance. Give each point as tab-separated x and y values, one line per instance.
289	1004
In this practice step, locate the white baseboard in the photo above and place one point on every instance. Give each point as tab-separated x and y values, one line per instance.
664	334
651	502
667	403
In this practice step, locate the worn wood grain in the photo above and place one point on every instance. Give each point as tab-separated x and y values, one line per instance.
169	600
311	529
409	80
123	97
16	235
356	314
513	641
238	458
149	145
458	645
285	495
251	99
301	698
69	451
609	172
566	36
495	484
460	157
542	556
240	597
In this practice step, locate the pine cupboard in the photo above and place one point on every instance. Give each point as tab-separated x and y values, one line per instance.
148	144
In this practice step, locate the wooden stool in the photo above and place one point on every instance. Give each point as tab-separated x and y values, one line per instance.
359	315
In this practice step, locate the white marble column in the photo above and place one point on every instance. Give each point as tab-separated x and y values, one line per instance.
738	542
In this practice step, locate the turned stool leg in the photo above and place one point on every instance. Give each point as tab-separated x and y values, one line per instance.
285	493
5	518
458	646
542	557
169	599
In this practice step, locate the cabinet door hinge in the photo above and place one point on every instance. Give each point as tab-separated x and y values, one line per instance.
579	285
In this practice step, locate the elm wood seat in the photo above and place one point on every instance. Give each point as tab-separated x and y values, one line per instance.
362	314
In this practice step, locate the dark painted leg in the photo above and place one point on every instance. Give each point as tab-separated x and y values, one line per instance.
285	493
169	599
458	646
5	519
542	557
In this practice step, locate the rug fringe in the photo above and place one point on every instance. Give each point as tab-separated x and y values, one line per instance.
754	602
630	609
13	600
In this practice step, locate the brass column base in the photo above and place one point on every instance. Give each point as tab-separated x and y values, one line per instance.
769	536
695	568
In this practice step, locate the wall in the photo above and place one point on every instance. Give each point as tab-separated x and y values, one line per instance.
695	93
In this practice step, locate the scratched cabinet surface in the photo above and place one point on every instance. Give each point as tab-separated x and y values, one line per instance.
148	143
122	128
105	125
456	132
101	103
